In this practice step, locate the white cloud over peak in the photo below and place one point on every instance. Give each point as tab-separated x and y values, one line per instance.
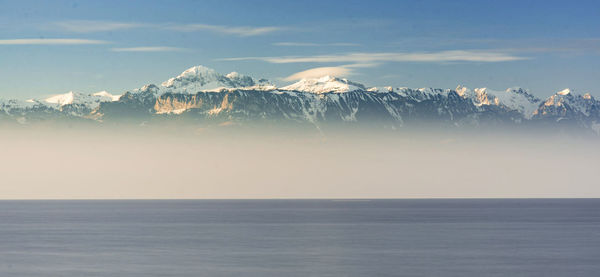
337	71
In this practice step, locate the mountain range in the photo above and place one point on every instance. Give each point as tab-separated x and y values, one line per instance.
202	96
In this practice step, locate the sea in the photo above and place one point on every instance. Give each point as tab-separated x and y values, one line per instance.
420	237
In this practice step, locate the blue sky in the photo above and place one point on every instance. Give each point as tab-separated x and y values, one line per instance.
50	47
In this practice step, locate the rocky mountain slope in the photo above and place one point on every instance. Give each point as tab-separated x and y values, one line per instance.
202	96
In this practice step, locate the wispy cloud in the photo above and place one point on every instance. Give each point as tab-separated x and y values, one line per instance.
50	41
516	45
310	44
148	49
91	26
244	31
441	56
575	46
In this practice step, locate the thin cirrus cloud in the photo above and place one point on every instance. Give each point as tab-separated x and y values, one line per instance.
51	41
441	56
243	31
91	26
311	44
357	60
148	49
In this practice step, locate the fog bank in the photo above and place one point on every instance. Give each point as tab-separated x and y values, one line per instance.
125	164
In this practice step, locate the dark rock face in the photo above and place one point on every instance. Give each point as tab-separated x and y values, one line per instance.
355	107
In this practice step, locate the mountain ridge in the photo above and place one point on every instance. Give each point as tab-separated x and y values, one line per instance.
202	95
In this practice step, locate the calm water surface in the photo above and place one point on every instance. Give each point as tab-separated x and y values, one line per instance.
300	238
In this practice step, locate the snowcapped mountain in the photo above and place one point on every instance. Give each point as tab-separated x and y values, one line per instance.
105	96
200	95
516	99
200	78
565	105
70	104
325	84
61	99
76	98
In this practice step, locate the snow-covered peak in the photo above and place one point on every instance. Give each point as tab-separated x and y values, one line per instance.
483	96
419	94
232	75
518	99
381	89
325	84
201	78
91	100
512	98
463	91
240	80
200	74
61	99
107	95
377	89
479	96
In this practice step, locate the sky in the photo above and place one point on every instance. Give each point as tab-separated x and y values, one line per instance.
51	47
